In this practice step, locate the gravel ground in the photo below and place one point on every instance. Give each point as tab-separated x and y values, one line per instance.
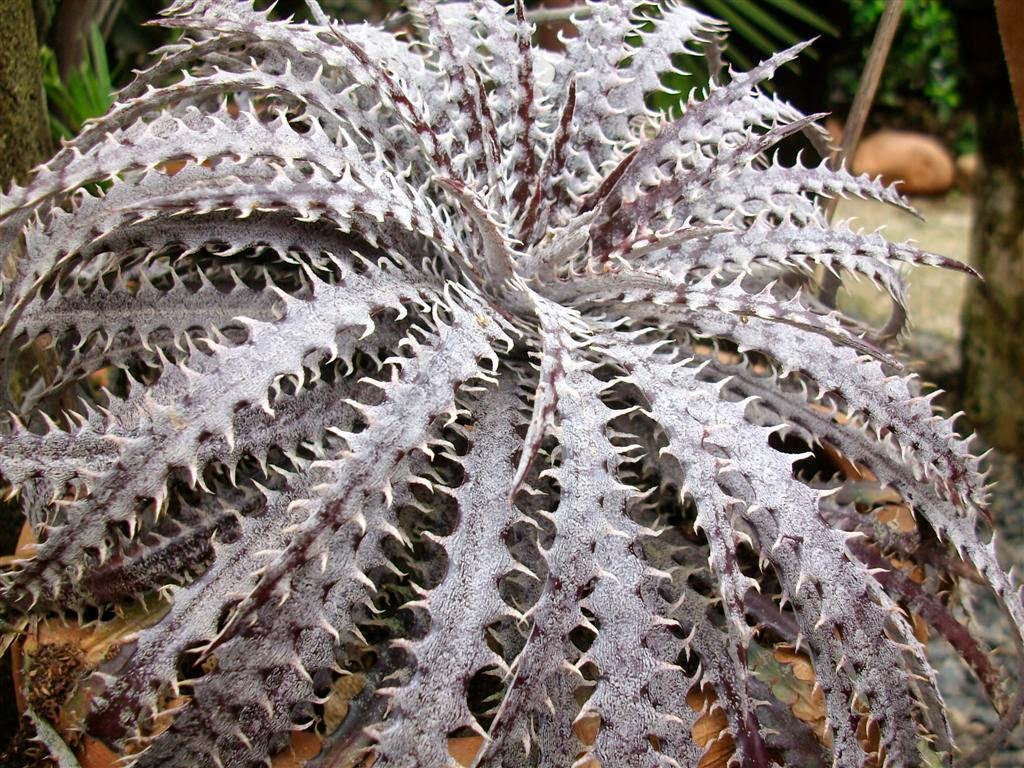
971	715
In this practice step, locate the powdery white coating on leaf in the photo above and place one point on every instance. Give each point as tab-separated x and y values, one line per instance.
414	361
462	606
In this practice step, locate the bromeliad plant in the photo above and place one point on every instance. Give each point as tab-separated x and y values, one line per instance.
442	363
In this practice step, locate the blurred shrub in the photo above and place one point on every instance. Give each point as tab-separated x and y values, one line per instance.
87	92
762	27
924	59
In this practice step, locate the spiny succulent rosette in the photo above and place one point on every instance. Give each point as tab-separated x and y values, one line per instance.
433	362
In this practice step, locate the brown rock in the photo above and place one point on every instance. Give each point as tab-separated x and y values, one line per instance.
966	171
917	160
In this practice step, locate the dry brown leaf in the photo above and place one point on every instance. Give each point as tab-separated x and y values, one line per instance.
586	728
41	665
812	710
920	628
808	704
93	753
336	707
870	736
305	745
710	729
96	641
852	470
897	516
465	748
718	754
23	547
800	664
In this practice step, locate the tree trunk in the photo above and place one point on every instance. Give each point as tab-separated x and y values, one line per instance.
993	338
24	133
1011	29
71	31
24	136
24	142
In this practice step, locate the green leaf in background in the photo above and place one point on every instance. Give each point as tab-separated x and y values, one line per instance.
87	92
763	30
760	31
924	73
803	13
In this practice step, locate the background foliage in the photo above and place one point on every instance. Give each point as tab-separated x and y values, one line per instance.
922	85
920	89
